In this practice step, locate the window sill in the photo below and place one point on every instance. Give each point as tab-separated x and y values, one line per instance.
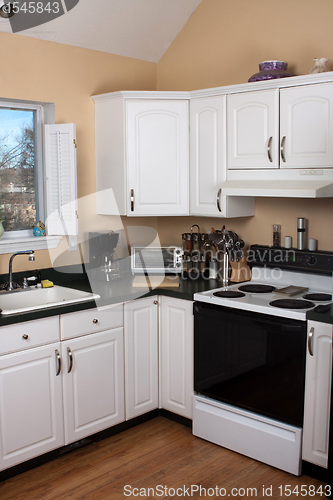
11	244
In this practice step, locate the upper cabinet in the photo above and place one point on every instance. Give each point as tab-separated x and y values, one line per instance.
306	122
253	129
142	155
208	161
286	128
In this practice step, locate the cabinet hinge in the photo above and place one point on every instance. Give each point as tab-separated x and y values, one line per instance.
74	140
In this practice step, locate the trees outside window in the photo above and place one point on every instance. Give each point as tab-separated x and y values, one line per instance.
18	173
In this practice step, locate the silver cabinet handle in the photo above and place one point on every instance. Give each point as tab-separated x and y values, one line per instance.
269	149
282	149
58	362
132	200
218	200
70	360
310	341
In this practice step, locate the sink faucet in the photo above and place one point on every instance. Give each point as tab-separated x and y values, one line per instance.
11	285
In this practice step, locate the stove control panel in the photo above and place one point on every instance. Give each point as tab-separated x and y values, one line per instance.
290	258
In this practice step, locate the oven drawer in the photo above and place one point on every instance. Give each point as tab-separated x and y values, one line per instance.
261	438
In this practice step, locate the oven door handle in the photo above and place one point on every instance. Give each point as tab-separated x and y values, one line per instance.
310	341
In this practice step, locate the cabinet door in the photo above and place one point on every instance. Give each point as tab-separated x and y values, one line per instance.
207	158
176	340
31	417
157	157
317	393
141	356
93	382
306	126
253	129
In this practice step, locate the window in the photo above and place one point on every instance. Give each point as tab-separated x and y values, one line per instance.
21	173
37	175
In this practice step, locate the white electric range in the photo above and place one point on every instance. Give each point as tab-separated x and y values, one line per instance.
274	291
250	355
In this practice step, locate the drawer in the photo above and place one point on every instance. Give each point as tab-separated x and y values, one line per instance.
29	334
91	321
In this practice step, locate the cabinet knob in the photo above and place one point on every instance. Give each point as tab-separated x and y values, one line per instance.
155	302
95	321
25	336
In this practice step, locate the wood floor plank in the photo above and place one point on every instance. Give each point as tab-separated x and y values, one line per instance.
158	456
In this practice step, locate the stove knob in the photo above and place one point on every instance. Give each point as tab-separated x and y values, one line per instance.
312	260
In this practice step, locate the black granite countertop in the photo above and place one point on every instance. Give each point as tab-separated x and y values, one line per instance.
324	317
118	290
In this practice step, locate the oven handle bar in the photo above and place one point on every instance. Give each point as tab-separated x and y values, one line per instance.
310	341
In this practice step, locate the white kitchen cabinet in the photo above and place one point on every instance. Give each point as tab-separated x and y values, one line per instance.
176	355
317	394
31	416
141	356
306	123
142	157
208	161
93	383
253	129
281	128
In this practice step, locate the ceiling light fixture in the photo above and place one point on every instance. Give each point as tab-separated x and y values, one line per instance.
7	10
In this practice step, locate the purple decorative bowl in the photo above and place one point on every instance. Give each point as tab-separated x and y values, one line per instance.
269	70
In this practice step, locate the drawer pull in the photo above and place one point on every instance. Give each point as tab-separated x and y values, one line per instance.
70	360
25	336
95	321
58	361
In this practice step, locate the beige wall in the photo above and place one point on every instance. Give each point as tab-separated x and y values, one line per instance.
68	76
222	44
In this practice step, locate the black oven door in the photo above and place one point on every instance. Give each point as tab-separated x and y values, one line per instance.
250	360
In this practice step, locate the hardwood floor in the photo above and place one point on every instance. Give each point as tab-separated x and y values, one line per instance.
157	454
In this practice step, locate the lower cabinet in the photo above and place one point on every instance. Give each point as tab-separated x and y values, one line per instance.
31	417
176	355
93	383
317	394
141	356
65	378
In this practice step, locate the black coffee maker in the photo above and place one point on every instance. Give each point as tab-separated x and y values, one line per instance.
102	263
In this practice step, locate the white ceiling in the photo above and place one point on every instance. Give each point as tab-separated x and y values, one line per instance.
143	29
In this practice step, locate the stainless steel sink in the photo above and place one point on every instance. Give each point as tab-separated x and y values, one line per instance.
32	299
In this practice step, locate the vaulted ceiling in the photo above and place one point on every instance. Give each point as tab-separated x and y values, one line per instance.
143	29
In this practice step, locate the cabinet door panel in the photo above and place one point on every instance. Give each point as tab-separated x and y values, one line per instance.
253	129
176	337
141	356
157	156
207	167
318	395
93	383
31	418
306	126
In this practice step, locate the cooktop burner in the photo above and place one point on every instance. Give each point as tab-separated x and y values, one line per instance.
256	288
292	303
318	297
229	294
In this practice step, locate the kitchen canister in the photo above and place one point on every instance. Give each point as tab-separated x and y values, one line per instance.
312	244
301	233
288	241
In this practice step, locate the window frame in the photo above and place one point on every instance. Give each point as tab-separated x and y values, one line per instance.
13	241
39	153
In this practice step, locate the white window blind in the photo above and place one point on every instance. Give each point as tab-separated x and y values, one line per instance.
61	179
